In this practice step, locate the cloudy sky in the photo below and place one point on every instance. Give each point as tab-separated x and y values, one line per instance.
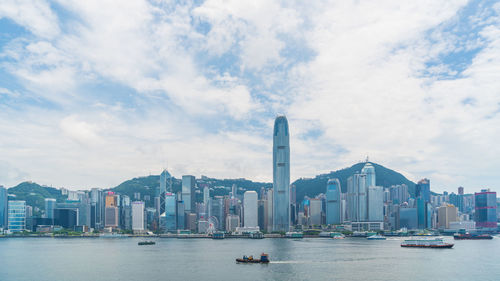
96	92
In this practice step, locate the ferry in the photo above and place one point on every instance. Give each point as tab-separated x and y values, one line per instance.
146	243
294	235
337	235
468	236
218	235
257	235
436	243
376	237
264	258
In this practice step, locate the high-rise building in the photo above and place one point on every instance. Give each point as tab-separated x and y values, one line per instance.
270	202
181	216
232	222
216	212
111	210
138	216
375	203
50	205
4	218
165	185
460	190
281	175
250	209
315	211
17	215
446	214
169	218
262	213
188	183
486	209
356	198
96	208
408	218
423	189
424	213
369	171
206	195
399	194
333	202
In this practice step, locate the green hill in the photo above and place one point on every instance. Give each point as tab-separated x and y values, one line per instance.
35	194
384	177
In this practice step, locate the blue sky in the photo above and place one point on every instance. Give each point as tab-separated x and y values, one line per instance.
93	93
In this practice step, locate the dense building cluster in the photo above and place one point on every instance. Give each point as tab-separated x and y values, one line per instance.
196	208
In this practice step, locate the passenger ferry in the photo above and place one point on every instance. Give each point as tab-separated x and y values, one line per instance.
294	235
337	235
436	243
218	235
376	237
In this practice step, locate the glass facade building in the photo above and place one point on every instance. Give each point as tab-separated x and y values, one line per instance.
423	189
50	205
333	203
169	216
486	209
188	183
369	171
281	175
17	215
3	207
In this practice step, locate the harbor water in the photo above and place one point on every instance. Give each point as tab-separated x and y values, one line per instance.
85	259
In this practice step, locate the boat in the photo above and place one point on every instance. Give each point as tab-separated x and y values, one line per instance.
294	235
469	236
376	237
436	243
257	235
337	235
146	243
264	258
218	235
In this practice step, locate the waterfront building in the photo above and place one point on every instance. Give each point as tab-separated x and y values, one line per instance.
333	202
281	175
375	203
216	212
96	208
486	209
203	226
188	192
165	185
250	209
424	212
169	218
315	211
4	217
191	221
206	195
50	205
270	201
232	222
423	189
137	216
66	217
262	213
16	215
446	214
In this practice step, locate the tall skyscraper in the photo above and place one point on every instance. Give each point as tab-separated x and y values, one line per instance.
206	195
165	185
169	219
315	211
138	216
356	198
188	183
111	210
3	207
375	203
423	189
333	208
460	190
281	175
369	171
486	209
17	215
50	205
446	214
250	209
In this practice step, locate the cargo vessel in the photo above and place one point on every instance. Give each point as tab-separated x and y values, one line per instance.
264	258
469	236
436	243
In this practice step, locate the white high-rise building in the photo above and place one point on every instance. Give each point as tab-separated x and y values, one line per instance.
137	216
375	203
206	195
250	209
369	171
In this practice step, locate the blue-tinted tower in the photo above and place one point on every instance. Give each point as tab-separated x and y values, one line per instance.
3	207
333	209
281	175
423	189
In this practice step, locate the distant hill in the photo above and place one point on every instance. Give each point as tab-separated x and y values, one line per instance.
384	177
35	194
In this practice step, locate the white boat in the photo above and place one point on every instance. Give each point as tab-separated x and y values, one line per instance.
376	237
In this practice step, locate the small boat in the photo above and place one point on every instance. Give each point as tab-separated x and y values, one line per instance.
218	235
376	237
436	243
146	243
294	235
468	236
264	258
337	235
257	235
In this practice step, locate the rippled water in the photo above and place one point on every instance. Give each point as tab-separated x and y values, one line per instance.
205	259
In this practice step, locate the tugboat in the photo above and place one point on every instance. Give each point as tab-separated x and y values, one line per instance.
146	243
264	258
436	243
469	236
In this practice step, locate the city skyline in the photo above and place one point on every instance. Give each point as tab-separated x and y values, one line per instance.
193	87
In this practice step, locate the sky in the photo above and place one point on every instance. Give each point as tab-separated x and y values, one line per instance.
93	93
